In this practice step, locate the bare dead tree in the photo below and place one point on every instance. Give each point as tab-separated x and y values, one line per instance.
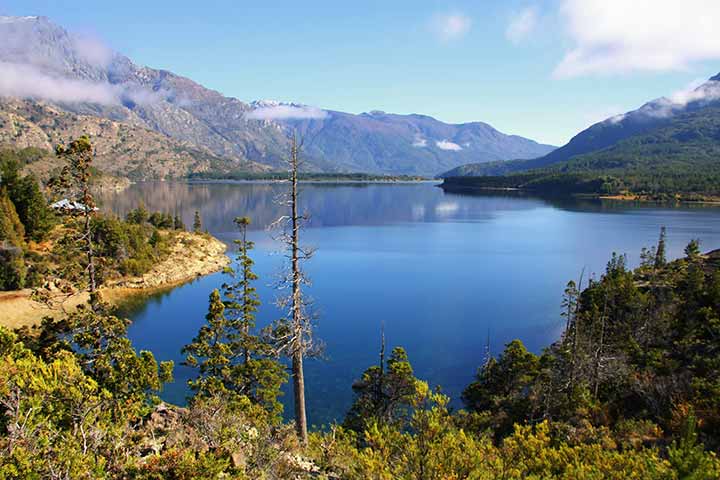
293	335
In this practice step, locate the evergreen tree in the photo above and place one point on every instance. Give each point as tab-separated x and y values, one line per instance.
692	250
502	387
660	252
232	360
178	223
74	181
139	215
385	394
197	223
30	203
12	233
211	351
99	340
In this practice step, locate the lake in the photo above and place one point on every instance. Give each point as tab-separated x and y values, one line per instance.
442	272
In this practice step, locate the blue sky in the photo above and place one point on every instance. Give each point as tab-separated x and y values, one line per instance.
541	69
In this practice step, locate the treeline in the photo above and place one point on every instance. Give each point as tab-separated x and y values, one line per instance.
306	177
35	244
676	161
629	391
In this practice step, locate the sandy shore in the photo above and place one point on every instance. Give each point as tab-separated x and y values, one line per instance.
191	256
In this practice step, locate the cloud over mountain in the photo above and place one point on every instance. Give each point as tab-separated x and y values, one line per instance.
27	81
286	112
448	145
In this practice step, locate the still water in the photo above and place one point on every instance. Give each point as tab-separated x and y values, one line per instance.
443	272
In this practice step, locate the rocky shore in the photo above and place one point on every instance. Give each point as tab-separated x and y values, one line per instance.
191	256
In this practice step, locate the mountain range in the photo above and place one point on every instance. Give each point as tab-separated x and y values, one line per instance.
55	74
683	126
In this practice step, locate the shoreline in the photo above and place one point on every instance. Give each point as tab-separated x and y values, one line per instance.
584	196
192	256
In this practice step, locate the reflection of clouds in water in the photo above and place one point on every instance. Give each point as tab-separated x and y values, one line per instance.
418	212
445	209
329	204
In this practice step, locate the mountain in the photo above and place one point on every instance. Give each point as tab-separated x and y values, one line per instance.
380	142
121	149
678	160
41	61
651	117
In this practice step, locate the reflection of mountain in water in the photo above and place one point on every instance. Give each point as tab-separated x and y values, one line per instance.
576	204
329	204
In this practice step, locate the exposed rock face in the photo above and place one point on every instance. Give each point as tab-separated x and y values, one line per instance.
41	60
121	149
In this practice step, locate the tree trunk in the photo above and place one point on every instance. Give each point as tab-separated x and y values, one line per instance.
87	206
299	391
298	347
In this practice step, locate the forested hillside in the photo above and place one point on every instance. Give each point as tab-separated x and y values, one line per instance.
669	147
682	159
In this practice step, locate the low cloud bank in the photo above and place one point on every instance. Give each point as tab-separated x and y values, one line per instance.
448	145
28	81
287	112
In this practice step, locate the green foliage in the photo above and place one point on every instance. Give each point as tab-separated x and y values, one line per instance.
230	357
689	458
384	395
438	448
675	159
24	192
57	421
139	215
99	341
640	348
197	223
501	387
178	223
12	233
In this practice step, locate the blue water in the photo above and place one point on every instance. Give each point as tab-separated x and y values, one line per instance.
442	272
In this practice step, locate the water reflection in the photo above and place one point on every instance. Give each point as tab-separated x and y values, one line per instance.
441	270
329	204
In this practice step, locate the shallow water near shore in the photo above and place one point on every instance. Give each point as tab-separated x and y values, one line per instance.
443	272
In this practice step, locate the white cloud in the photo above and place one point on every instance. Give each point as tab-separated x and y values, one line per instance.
451	26
286	112
619	36
419	141
607	113
448	145
92	50
697	90
522	25
27	81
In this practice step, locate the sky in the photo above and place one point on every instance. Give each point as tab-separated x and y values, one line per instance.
543	69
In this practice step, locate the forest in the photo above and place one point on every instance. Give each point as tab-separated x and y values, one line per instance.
630	390
38	242
678	161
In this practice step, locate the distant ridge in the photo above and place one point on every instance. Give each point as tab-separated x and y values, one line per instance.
40	61
616	133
